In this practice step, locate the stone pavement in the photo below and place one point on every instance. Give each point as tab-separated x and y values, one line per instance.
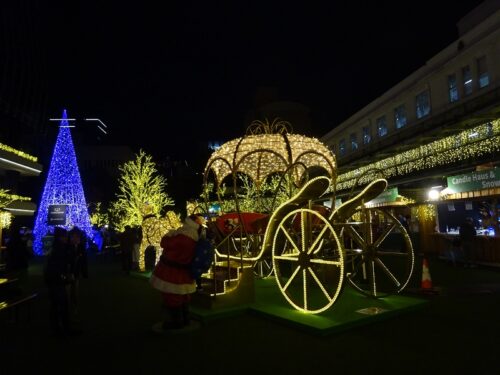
456	333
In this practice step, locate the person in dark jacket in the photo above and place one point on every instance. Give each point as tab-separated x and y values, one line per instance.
127	239
57	276
136	248
17	252
78	265
467	234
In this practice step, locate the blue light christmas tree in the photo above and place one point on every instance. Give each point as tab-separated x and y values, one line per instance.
63	187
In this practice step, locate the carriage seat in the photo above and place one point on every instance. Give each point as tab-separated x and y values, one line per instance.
250	222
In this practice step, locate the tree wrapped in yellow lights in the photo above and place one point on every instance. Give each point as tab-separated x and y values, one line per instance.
141	192
141	200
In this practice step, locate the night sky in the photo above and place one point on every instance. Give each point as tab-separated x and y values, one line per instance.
191	69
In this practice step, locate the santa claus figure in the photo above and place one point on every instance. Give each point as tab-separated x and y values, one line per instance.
171	275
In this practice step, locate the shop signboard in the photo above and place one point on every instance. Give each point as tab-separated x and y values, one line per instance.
57	214
390	195
473	181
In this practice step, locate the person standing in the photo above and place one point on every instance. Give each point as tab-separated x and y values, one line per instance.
171	275
47	242
57	277
17	253
136	248
467	233
78	266
127	247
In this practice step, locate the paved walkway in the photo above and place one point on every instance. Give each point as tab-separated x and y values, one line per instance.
457	333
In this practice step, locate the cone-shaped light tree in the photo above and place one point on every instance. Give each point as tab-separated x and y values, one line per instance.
63	187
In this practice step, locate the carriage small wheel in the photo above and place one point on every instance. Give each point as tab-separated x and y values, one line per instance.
379	253
308	260
263	267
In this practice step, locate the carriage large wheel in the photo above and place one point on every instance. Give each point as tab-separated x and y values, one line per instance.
379	253
308	261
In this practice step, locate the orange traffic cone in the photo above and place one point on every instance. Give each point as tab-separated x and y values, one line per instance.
426	277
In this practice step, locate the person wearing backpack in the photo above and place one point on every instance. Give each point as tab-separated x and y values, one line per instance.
172	274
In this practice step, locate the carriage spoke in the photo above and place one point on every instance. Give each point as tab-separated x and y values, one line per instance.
388	272
303	218
372	276
324	261
384	235
290	239
291	278
285	257
313	274
317	240
304	276
356	236
393	253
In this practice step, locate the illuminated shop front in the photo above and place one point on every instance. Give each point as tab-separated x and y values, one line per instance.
475	196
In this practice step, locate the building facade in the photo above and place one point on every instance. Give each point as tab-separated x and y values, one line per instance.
440	122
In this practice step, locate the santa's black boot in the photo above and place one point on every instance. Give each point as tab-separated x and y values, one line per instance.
185	314
176	319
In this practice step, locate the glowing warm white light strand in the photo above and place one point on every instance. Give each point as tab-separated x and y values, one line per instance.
445	151
18	153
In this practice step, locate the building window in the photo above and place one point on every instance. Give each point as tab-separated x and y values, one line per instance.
367	135
354	142
423	104
482	72
452	88
467	80
342	147
381	126
400	116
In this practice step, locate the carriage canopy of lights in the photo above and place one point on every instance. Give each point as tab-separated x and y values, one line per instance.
269	148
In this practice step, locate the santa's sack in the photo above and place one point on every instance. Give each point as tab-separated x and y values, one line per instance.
203	258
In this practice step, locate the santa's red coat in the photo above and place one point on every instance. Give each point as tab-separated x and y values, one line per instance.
171	275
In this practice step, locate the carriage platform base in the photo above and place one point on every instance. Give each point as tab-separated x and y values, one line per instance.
351	310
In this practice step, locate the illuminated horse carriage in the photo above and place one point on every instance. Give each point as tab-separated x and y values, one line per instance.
310	247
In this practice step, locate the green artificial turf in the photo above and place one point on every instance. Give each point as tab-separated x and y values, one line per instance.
344	314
